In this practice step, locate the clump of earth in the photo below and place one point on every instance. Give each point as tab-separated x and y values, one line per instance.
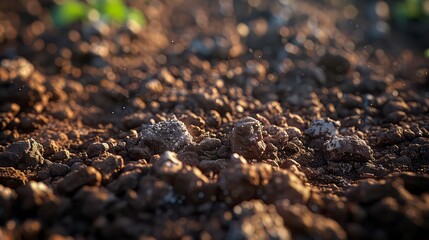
219	119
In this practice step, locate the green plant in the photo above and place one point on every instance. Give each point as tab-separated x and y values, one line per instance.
114	11
427	53
411	9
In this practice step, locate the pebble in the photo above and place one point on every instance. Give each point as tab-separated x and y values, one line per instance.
96	149
169	135
348	148
246	138
59	169
390	136
78	178
109	167
29	152
323	128
61	155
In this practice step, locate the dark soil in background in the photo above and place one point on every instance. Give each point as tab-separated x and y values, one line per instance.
220	119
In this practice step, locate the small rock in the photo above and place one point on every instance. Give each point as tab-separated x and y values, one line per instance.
170	135
78	178
109	167
390	136
29	152
167	166
137	153
210	144
51	147
246	138
61	155
349	148
10	177
96	149
323	128
59	169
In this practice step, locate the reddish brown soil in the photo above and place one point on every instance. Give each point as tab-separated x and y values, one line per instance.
217	120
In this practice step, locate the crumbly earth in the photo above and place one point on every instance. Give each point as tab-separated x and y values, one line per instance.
219	119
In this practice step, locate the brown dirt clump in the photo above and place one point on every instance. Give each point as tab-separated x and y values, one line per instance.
220	119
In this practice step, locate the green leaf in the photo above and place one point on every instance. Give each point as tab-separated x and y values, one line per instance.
69	12
413	8
136	16
112	10
427	53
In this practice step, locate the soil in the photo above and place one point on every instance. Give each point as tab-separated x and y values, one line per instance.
219	119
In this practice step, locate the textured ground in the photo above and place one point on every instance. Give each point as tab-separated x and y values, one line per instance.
220	119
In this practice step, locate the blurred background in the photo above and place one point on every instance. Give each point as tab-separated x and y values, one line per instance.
27	25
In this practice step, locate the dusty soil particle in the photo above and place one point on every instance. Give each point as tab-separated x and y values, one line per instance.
108	167
323	128
59	169
246	138
10	177
78	178
29	152
391	136
61	155
258	87
170	135
96	149
347	149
